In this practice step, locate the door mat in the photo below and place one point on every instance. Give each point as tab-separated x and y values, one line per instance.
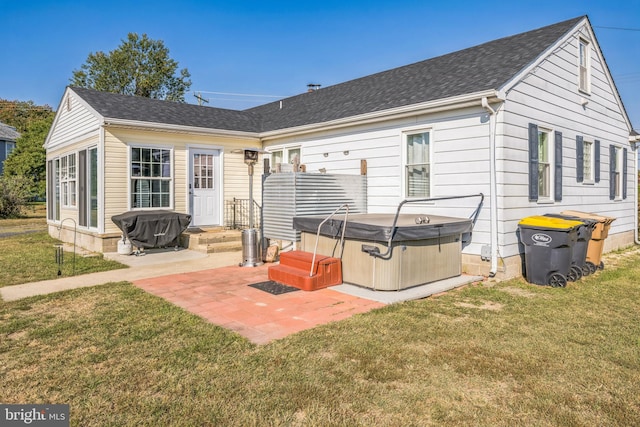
274	288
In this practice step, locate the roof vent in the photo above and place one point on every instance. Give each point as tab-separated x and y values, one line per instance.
312	87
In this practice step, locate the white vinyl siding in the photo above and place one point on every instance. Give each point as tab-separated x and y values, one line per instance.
72	124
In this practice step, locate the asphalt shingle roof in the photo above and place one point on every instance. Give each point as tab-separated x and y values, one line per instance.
484	67
8	133
117	106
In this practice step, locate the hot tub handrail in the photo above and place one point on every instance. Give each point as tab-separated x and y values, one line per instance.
344	227
394	228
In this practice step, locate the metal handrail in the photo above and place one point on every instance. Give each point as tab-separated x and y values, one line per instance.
344	227
474	215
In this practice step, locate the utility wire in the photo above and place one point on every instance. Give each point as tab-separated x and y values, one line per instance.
617	28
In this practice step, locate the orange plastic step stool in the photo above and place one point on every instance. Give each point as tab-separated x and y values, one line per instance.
295	267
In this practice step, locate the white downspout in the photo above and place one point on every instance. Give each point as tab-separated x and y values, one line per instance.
635	188
493	196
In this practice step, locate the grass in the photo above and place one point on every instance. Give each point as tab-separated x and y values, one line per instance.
28	253
490	355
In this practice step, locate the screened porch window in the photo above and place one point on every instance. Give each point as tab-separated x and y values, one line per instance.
417	165
150	177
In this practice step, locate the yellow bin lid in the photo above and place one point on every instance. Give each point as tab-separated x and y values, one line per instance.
540	221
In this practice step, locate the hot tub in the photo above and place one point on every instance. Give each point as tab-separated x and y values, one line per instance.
423	249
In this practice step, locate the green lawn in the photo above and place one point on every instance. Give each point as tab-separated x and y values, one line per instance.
28	254
494	354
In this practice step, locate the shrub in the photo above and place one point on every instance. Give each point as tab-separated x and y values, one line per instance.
14	194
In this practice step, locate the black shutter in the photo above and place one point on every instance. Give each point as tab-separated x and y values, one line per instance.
596	161
533	162
557	181
82	188
624	173
579	159
612	175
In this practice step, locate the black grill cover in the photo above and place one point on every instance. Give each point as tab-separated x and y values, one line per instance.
150	229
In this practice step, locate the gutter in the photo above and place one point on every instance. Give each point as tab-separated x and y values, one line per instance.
462	101
135	124
493	183
634	139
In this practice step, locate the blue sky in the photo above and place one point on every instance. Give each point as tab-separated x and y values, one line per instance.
278	47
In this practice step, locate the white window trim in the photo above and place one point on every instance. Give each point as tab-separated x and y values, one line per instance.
403	161
285	153
8	151
587	83
551	146
592	162
64	189
131	145
619	170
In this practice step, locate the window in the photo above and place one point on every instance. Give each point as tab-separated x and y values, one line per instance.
617	173
417	165
68	180
278	156
583	65
53	189
203	171
544	166
150	177
587	160
9	147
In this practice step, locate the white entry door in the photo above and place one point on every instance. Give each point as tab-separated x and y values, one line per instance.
204	186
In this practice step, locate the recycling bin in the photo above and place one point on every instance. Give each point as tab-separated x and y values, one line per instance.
596	244
548	248
579	265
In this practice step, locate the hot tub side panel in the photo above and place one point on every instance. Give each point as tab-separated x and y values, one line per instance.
412	263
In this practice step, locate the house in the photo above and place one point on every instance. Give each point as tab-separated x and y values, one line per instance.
8	137
533	121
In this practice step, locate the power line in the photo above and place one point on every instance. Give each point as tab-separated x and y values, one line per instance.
242	94
617	28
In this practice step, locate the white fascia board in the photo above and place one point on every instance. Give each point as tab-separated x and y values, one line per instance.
561	42
135	124
63	101
526	70
444	104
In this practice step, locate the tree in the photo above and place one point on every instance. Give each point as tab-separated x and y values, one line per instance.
139	66
20	114
14	193
28	160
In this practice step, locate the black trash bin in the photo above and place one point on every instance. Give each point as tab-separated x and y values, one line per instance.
579	265
548	248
